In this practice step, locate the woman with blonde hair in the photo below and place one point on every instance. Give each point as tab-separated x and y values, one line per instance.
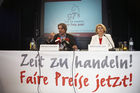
101	37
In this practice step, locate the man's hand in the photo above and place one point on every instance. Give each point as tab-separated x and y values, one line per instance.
74	47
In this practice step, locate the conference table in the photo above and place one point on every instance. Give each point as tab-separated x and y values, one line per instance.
69	72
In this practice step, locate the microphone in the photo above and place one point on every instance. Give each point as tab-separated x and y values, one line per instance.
57	40
66	41
112	49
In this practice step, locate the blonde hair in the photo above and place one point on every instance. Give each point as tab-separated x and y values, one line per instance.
103	26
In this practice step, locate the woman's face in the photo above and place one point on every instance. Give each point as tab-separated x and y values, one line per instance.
100	30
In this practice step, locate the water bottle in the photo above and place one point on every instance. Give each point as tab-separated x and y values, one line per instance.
121	46
32	44
131	43
125	46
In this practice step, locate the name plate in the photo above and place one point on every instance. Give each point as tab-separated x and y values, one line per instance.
49	47
98	47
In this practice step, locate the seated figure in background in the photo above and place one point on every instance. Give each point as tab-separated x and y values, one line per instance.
66	41
101	37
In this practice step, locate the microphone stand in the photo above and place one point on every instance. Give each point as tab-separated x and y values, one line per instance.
112	49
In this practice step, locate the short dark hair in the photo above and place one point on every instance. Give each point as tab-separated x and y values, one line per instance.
64	26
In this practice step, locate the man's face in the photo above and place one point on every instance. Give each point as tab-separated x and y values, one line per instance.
61	30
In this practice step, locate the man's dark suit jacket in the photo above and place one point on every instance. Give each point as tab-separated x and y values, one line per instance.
71	40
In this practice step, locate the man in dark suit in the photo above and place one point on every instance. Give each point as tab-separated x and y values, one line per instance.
66	41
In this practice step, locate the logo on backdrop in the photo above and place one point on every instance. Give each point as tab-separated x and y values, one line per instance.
74	17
